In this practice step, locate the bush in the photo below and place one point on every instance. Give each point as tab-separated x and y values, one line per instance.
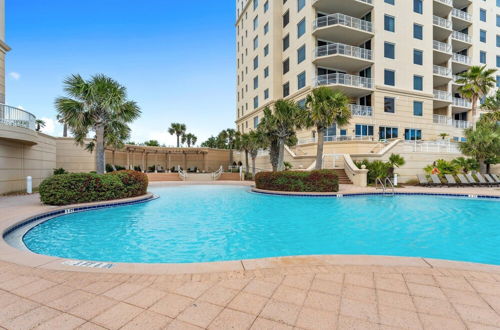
298	181
77	188
444	167
58	171
109	168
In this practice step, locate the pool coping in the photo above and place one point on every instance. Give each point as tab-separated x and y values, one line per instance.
11	254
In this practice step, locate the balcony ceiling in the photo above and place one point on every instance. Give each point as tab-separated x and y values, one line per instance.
457	67
459	24
342	62
352	8
440	9
343	34
441	80
459	45
440	104
461	3
440	57
351	91
441	33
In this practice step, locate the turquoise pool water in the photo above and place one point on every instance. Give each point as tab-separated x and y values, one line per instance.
213	223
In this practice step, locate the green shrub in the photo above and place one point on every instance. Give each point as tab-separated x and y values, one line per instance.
77	188
376	169
298	181
58	171
109	168
444	167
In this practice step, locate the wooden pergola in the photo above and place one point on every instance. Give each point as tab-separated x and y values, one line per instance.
164	152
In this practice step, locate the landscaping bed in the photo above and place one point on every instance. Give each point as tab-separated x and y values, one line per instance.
298	181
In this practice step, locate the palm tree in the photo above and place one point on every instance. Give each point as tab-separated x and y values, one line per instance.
476	83
61	120
444	135
280	126
100	105
326	107
482	143
178	130
39	124
152	143
245	144
231	135
190	139
466	164
395	161
211	142
492	105
256	141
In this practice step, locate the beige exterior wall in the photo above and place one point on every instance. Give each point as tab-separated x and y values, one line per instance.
74	158
3	50
403	65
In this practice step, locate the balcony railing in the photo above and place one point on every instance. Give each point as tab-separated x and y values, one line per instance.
342	49
462	103
442	71
441	46
343	79
336	138
456	78
461	14
370	2
361	110
345	20
461	36
447	121
445	2
462	59
16	117
442	95
442	22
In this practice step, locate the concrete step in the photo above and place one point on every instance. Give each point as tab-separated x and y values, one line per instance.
163	177
199	177
229	177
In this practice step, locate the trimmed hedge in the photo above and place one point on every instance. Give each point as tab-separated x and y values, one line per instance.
298	181
77	188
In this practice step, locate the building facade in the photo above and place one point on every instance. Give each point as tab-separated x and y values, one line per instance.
397	60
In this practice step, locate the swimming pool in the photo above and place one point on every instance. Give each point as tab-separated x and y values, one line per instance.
216	223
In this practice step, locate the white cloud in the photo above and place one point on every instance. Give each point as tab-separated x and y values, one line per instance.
15	75
20	107
50	126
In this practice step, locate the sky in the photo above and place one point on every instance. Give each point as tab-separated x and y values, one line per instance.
176	59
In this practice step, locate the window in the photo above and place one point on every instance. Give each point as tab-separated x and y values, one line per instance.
256	102
387	132
266	50
482	35
482	15
418	83
302	103
418	31
286	42
498	20
256	82
498	61
286	65
255	23
498	41
389	50
301	80
418	6
498	81
364	130
418	108
301	54
391	2
286	89
482	57
266	72
300	4
418	57
389	77
286	18
266	94
256	62
389	23
266	6
266	28
389	105
255	43
413	134
301	28
255	122
255	4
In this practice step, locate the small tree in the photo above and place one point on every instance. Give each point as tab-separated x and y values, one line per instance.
178	130
152	143
256	141
492	106
482	143
245	144
39	124
190	139
444	135
466	164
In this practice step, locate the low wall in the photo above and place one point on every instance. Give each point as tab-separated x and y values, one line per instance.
74	158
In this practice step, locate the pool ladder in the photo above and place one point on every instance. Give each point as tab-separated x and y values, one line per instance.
385	184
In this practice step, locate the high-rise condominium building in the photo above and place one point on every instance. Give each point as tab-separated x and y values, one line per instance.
397	60
3	50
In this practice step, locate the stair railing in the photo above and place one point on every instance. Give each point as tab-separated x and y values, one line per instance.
182	175
216	175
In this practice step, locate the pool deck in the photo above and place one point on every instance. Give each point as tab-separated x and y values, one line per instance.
309	292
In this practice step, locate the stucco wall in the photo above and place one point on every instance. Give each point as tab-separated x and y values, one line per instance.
72	157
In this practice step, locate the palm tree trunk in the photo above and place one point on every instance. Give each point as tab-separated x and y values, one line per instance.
281	154
230	155
65	130
274	155
482	165
246	160
474	110
178	136
100	167
319	150
253	167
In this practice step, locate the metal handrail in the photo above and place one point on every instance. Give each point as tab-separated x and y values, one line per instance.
343	49
361	110
336	138
462	58
442	70
461	36
182	174
13	116
343	79
216	175
370	2
456	78
442	95
442	22
459	102
345	20
441	46
446	2
455	12
387	179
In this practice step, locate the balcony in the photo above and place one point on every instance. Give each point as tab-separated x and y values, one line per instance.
355	8
443	96
354	86
447	121
442	75
460	62
461	103
361	110
342	28
17	125
442	7
455	78
460	19
442	27
460	41
442	51
346	57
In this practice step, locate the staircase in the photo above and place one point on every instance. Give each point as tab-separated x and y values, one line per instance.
343	178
